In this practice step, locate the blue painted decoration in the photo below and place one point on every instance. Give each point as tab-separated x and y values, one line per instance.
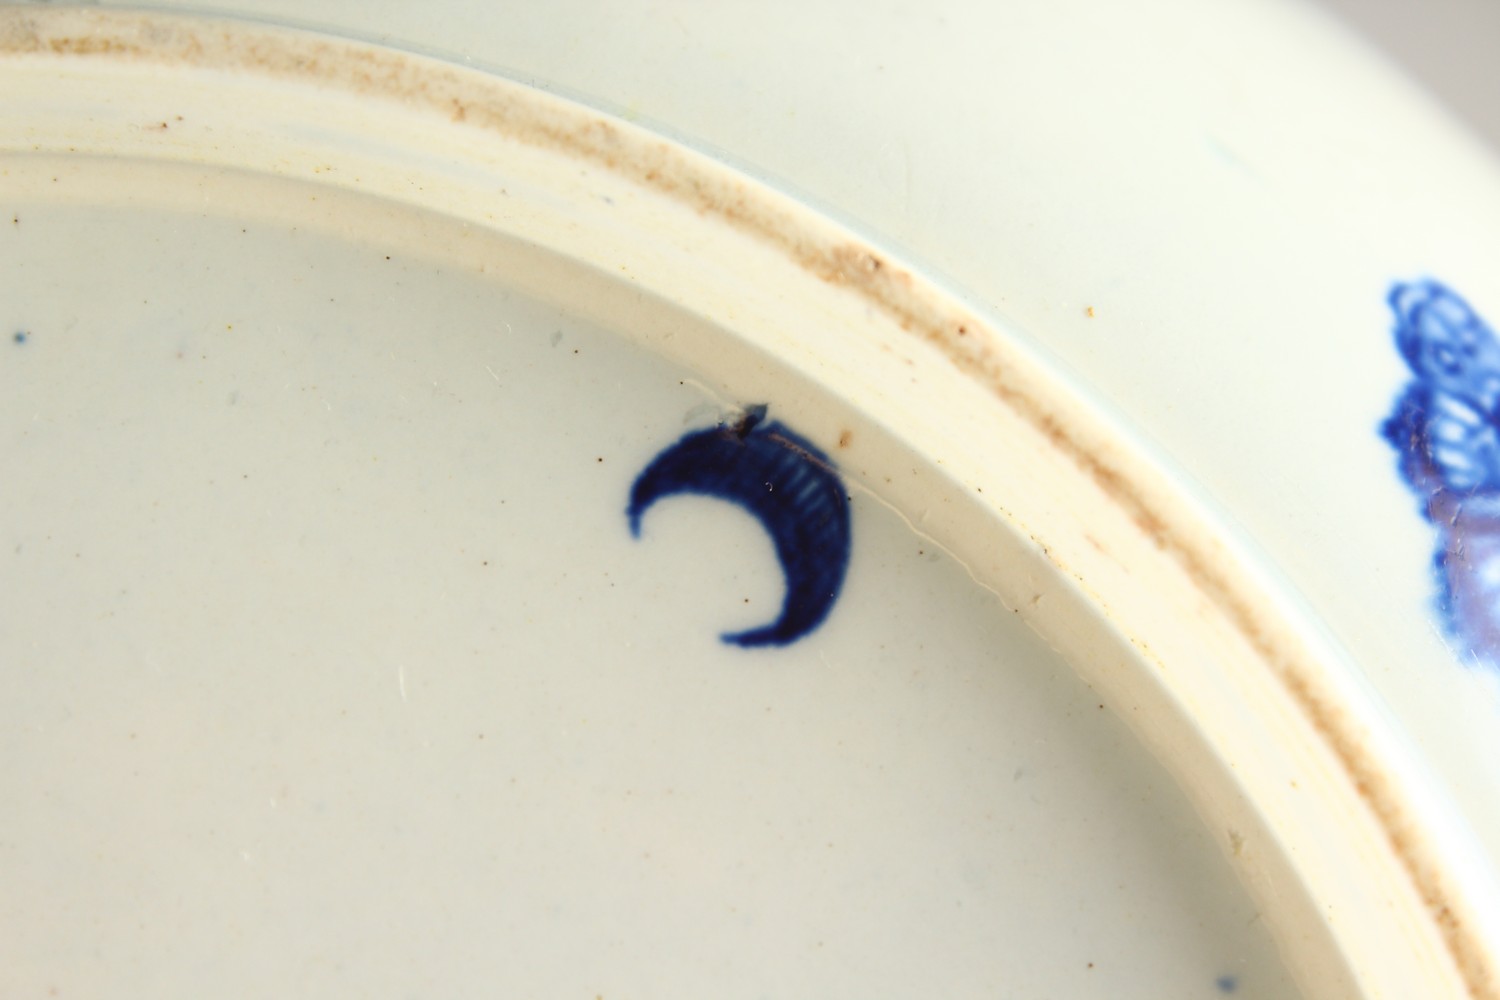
1446	429
788	485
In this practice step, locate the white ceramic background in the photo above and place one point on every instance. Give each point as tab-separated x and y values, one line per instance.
1226	205
336	670
1230	187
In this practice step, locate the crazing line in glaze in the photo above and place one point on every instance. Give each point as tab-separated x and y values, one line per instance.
1446	428
785	483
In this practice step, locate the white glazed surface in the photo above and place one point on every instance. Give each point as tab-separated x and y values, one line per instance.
1166	362
1230	187
333	668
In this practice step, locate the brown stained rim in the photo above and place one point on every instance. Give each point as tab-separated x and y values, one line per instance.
474	100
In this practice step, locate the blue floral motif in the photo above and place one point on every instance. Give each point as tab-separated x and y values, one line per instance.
1446	429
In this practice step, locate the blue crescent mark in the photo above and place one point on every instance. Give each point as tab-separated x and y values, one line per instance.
1445	428
788	485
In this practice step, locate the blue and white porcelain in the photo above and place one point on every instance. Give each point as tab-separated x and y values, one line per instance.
751	500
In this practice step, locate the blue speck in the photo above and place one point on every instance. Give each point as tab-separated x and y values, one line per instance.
20	337
1227	984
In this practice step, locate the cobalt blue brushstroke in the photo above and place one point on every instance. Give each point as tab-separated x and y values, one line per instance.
788	485
1445	427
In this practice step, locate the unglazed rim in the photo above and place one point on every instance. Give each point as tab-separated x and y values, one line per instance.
1224	599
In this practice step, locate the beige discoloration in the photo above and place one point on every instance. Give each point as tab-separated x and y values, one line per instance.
967	341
